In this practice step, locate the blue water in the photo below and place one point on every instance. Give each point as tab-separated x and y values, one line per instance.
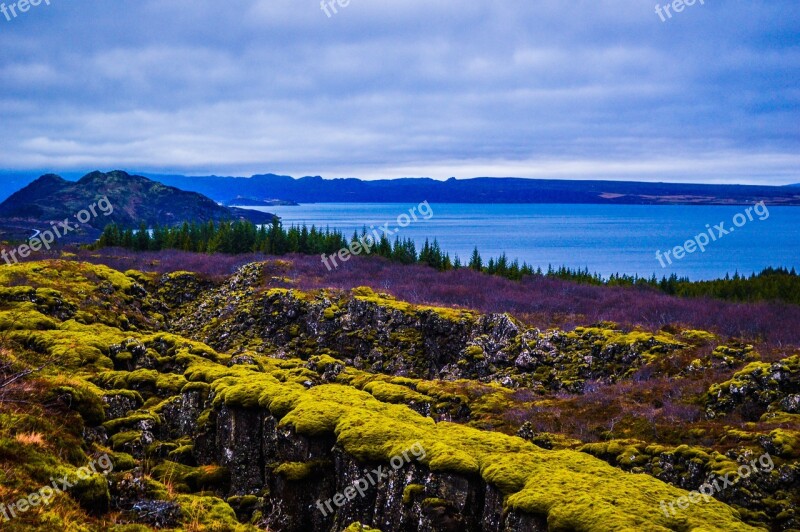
606	239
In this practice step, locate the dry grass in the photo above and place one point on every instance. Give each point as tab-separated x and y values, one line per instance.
195	512
31	438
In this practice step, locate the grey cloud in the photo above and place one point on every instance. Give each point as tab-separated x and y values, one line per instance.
538	88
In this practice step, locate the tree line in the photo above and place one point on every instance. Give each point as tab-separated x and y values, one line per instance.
245	237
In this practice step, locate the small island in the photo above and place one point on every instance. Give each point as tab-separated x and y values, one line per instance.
249	201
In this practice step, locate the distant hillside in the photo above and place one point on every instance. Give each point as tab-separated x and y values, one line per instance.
135	200
243	201
481	190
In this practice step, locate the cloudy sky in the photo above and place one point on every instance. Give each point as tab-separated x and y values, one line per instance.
390	88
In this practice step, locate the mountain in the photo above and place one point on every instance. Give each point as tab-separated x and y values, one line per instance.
132	200
476	190
244	201
480	190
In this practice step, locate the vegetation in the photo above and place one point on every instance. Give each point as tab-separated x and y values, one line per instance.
240	237
113	197
157	395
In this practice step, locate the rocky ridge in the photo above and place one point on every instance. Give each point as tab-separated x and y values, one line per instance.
238	405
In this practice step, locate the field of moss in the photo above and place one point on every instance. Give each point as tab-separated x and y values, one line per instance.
94	361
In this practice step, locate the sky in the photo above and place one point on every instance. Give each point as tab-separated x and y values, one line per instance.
587	89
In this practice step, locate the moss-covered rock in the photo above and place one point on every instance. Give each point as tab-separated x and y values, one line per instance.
756	388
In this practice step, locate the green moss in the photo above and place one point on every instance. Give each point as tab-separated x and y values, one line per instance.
781	418
474	352
131	421
142	379
358	527
122	461
92	493
122	438
24	317
210	512
182	453
127	394
564	485
435	502
201	387
760	384
243	501
395	393
188	479
297	471
573	490
322	362
699	337
252	390
365	293
411	492
786	441
81	396
170	383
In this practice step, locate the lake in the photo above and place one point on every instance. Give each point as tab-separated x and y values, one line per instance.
605	239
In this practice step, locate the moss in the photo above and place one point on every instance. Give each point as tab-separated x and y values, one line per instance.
631	453
395	393
330	312
251	390
123	438
92	493
244	500
24	317
200	369
411	492
435	502
187	479
572	490
208	512
606	501
182	453
699	337
297	471
143	379
474	352
122	461
201	387
566	486
781	418
322	362
133	395
81	396
132	421
73	345
786	442
247	506
140	277
170	383
365	293
358	527
760	384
